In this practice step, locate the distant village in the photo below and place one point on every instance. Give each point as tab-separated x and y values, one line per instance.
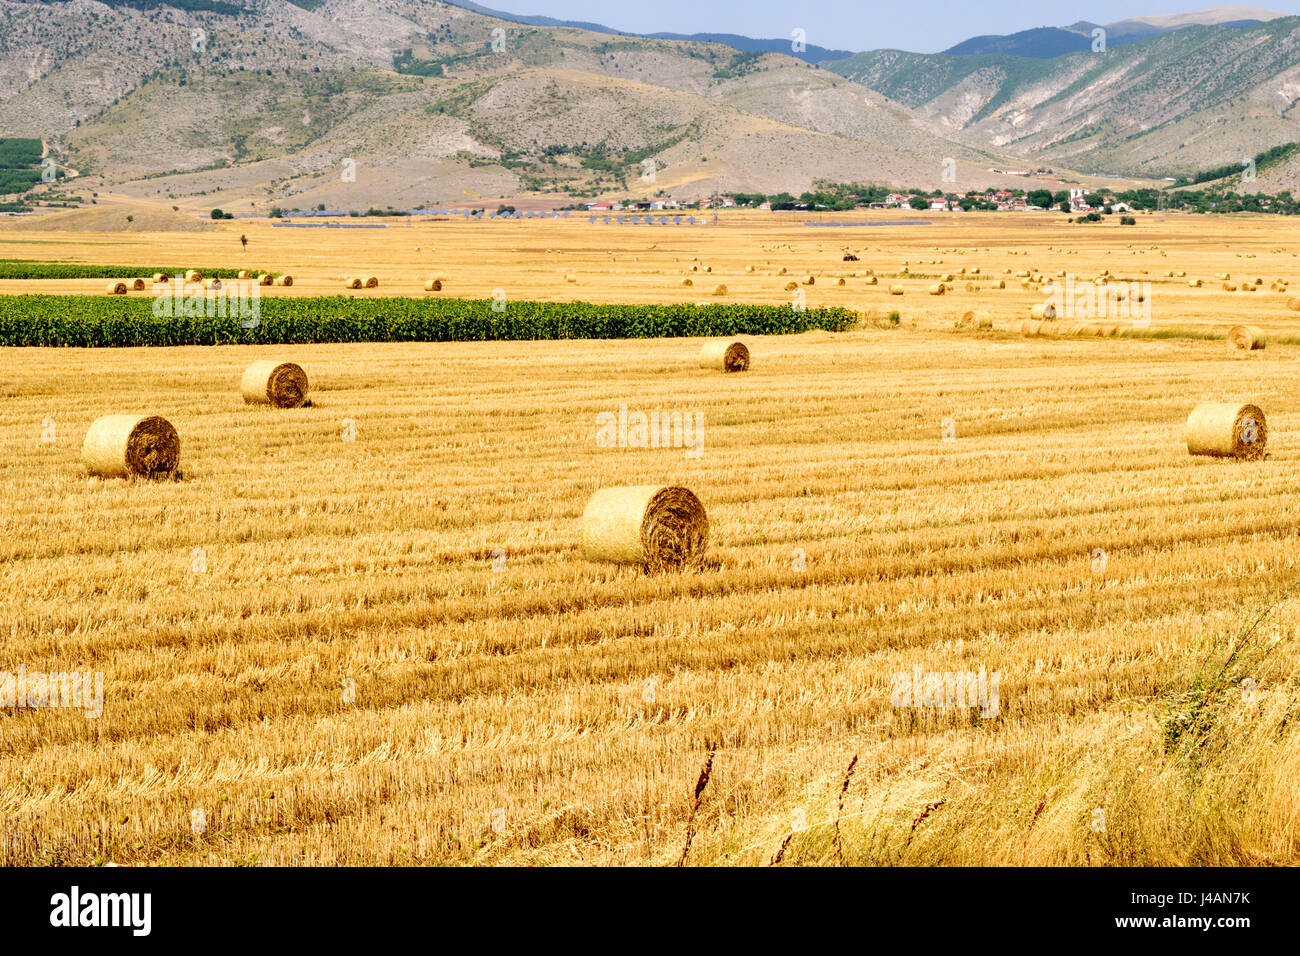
1075	200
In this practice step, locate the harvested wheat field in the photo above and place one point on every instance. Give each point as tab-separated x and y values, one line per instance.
389	649
965	597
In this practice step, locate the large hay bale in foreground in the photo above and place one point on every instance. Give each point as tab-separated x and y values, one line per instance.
1227	430
264	280
244	274
159	277
118	446
193	275
372	282
937	289
116	288
658	527
435	285
725	354
137	285
352	282
1247	337
284	280
1043	311
279	384
977	319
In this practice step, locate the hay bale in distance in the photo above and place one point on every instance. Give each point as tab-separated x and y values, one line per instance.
159	277
977	319
264	280
656	526
727	355
372	282
193	275
1043	311
937	289
687	282
1000	284
116	288
809	280
352	282
1227	430
896	290
119	446
872	280
1247	337
284	280
791	286
278	384
435	285
137	285
244	274
720	289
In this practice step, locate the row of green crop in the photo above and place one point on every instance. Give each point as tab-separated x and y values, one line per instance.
97	321
33	269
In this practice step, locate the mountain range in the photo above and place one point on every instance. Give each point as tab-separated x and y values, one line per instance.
397	102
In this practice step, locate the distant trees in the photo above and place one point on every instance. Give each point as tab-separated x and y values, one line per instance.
919	202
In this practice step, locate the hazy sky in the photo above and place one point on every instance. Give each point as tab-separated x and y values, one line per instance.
923	26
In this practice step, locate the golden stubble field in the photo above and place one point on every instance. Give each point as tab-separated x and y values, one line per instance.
571	259
388	650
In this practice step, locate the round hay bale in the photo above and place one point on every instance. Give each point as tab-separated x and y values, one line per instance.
656	526
1043	311
839	281
244	274
977	319
159	277
193	275
1180	273
137	285
687	282
896	290
1247	337
949	277
118	446
727	355
278	384
1293	304
570	277
781	271
1000	284
938	289
435	285
116	288
352	282
720	289
791	286
1227	430
872	280
213	284
1194	283
749	268
284	280
809	280
372	282
264	280
706	268
1229	287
